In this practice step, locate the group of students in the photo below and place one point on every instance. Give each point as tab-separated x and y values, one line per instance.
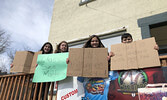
47	48
93	42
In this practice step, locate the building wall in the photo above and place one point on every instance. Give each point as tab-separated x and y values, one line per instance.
71	21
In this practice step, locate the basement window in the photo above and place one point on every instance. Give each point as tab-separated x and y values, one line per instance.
108	38
83	2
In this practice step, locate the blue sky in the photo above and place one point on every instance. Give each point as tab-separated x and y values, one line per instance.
26	21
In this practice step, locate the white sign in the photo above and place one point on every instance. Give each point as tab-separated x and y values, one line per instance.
70	89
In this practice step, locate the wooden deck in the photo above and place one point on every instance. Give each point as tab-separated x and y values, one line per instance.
20	87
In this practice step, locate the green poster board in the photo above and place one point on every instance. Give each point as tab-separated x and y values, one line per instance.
51	67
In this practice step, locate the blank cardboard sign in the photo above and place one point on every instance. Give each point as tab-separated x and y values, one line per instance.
135	55
88	62
25	61
22	61
75	65
34	61
147	55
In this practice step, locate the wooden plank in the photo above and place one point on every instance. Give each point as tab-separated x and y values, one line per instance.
17	74
30	90
26	87
35	91
6	88
51	91
40	91
14	86
164	62
163	57
3	88
22	87
46	91
1	83
10	88
17	89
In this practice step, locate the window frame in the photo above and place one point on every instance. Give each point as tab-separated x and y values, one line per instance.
146	23
85	2
104	35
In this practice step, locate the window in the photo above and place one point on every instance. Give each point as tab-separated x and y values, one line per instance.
106	42
106	38
155	26
82	2
110	41
159	31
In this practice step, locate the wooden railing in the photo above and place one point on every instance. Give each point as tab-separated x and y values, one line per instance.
20	87
163	60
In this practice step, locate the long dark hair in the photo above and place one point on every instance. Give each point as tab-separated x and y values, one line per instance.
88	43
58	47
51	48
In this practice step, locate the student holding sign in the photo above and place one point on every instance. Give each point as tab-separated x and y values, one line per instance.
96	88
127	38
62	47
125	87
52	67
47	48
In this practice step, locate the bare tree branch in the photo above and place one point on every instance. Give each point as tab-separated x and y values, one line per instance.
4	41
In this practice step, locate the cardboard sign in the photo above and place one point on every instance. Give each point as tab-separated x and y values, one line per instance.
88	62
70	89
75	65
135	55
25	61
34	61
51	67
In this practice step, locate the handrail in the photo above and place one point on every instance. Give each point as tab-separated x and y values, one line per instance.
163	57
16	74
163	60
19	86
